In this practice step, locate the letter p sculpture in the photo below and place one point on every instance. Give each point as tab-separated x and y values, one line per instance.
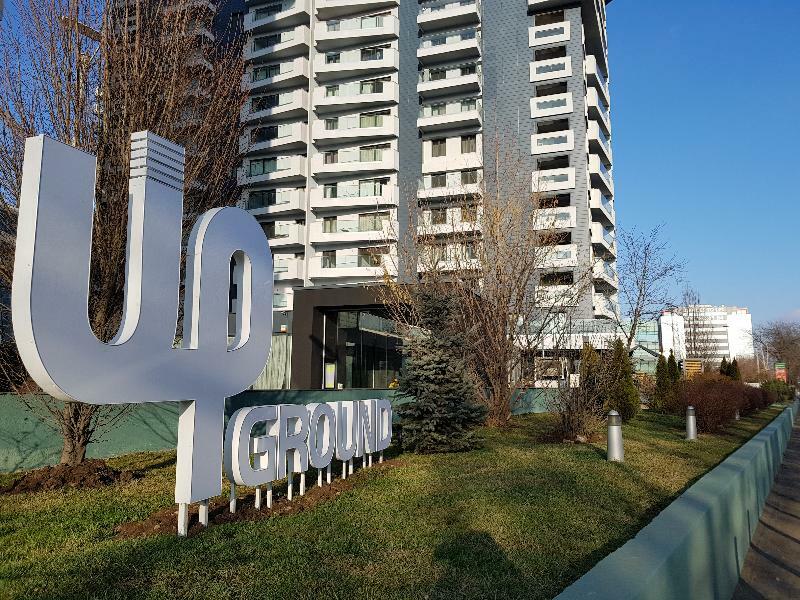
143	363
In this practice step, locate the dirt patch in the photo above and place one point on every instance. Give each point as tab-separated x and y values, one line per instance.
89	474
166	520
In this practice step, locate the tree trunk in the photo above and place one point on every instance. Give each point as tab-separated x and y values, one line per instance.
75	423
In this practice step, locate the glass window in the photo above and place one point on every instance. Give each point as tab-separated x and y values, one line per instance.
263	134
439	147
469	144
332	58
372	221
438	216
371	53
264	102
329	259
371	119
331	190
470	251
334	25
469	176
469	104
469	213
263	165
261	73
371	187
331	157
329	225
438	180
371	257
439	108
332	124
371	153
372	87
438	74
331	90
469	69
261	199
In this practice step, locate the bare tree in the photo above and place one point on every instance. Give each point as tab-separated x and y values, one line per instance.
647	274
89	73
497	249
700	343
781	341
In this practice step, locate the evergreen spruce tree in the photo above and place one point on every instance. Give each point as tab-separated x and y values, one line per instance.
443	410
674	371
723	367
733	370
622	393
663	385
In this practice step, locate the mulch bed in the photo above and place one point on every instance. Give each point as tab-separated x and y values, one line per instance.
88	474
166	520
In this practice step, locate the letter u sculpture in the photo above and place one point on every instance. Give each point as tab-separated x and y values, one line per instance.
142	363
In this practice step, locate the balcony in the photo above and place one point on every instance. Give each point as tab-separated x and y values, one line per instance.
354	195
543	35
283	105
355	95
602	207
604	306
260	78
455	191
598	110
562	256
598	143
286	234
351	162
603	240
453	220
556	295
448	46
454	80
550	106
328	9
280	168
273	137
355	127
279	44
604	274
278	15
287	269
595	77
356	30
285	201
448	14
553	180
546	143
555	218
353	266
600	175
445	115
351	229
355	63
554	68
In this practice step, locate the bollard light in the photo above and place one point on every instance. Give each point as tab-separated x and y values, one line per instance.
615	451
691	424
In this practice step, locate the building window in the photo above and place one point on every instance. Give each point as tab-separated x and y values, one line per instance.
332	124
549	18
331	190
440	108
266	41
262	166
372	221
372	257
333	58
469	176
438	180
371	119
329	225
469	69
469	104
469	144
261	199
372	87
264	102
438	147
371	153
371	53
470	251
438	216
438	74
334	25
329	259
469	213
331	157
331	91
261	73
263	134
371	187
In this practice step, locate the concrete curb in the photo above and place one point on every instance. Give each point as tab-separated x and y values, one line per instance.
697	546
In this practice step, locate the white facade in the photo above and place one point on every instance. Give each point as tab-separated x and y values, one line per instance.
710	332
342	93
672	335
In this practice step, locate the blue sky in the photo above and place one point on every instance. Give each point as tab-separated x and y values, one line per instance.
706	118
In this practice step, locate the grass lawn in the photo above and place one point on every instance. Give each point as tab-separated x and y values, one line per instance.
516	519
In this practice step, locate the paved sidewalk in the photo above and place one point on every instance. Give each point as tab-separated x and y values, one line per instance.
772	567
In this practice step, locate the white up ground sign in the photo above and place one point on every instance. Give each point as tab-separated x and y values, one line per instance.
143	363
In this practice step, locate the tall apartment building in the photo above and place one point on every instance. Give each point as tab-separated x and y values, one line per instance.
710	333
358	105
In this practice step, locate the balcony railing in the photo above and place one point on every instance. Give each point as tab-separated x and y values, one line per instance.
446	39
450	108
355	23
438	7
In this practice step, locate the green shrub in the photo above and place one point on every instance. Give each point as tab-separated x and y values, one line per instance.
622	394
782	392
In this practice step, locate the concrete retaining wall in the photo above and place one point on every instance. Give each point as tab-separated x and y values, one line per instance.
697	546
